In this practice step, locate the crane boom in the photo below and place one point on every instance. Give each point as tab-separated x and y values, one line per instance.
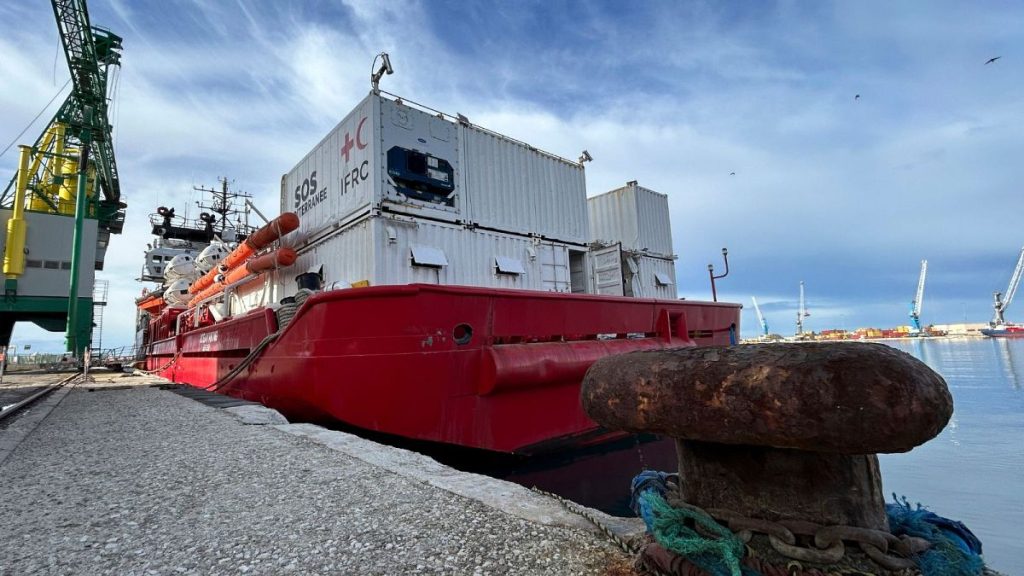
760	317
90	52
1001	303
801	312
82	120
915	305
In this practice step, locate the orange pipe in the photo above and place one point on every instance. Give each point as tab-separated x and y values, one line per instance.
280	258
258	240
237	256
208	292
274	229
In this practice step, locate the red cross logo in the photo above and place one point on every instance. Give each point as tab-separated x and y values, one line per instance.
349	142
347	147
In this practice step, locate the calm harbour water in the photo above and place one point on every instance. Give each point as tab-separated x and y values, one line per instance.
974	470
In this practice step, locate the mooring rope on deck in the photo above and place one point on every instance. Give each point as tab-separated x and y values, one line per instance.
285	315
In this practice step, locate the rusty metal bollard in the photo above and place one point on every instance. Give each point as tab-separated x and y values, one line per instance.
776	431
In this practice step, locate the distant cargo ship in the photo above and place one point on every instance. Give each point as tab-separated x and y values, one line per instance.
1005	330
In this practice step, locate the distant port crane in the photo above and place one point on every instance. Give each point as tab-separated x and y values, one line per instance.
999	303
760	317
915	304
801	312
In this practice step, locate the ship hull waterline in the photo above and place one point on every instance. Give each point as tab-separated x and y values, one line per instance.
483	368
1009	332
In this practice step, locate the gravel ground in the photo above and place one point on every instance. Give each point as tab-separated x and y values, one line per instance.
144	481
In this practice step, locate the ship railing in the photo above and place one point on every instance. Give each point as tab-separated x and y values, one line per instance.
158	220
119	358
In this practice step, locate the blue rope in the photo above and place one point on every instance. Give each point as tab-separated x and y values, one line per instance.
670	527
955	550
648	480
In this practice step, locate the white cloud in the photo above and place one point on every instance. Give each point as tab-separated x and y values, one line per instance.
847	194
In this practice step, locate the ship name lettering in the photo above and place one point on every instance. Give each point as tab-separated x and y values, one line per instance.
307	196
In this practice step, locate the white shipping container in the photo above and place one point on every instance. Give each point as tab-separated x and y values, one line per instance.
339	177
419	158
649	277
390	250
514	187
634	216
389	156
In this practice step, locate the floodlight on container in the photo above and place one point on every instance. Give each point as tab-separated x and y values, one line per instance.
385	68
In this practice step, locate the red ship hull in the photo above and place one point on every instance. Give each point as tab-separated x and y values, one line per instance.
484	368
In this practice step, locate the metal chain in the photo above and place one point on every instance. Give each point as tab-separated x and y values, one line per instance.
627	546
827	543
164	367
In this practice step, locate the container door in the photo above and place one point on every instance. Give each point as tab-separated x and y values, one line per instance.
608	270
554	262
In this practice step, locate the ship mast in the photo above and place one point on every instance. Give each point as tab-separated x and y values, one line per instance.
223	204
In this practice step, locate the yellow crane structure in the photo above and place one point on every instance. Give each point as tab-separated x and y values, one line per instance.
64	202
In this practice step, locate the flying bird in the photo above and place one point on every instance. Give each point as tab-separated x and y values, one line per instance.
991	60
732	173
857	97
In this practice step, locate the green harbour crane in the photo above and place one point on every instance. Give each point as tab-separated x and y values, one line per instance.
66	189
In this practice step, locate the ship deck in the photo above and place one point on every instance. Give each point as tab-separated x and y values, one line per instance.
121	476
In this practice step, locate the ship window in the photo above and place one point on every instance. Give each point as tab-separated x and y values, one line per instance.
34	263
506	265
462	334
65	265
662	279
428	256
158	258
51	264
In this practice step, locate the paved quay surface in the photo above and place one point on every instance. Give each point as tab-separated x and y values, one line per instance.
124	478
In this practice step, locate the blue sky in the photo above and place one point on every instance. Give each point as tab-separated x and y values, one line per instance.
847	195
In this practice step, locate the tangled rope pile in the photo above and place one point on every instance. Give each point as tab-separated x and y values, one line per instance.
955	549
689	540
718	554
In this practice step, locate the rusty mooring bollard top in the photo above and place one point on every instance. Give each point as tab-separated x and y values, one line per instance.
846	398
